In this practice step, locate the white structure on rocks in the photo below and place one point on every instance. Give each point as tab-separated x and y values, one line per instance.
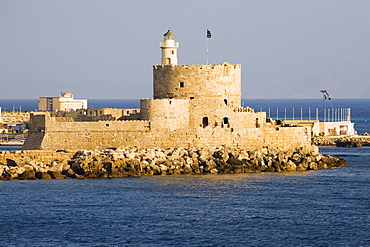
169	49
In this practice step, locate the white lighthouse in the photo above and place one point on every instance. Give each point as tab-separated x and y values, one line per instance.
169	49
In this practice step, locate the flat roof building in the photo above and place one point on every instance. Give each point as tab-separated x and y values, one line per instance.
65	102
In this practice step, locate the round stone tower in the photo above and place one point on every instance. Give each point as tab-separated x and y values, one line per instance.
216	81
169	49
220	82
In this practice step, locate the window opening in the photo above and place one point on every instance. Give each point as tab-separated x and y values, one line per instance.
181	84
205	122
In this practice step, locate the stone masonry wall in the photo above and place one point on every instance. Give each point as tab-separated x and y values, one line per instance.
166	114
194	81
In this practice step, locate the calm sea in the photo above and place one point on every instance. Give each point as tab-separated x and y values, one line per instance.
317	208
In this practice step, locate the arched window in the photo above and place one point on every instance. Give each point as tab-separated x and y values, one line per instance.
225	100
226	120
205	122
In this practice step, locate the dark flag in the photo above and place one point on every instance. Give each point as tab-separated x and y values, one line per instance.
325	94
209	35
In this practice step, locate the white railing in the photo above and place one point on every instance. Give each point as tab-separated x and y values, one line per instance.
325	115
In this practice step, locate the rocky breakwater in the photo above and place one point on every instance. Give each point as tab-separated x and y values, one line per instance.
139	162
343	141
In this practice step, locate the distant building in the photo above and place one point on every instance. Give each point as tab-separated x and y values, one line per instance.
65	102
3	128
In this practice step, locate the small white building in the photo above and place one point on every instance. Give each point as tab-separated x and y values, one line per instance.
336	128
65	102
318	128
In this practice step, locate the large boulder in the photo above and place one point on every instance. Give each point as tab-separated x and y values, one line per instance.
29	174
290	166
42	175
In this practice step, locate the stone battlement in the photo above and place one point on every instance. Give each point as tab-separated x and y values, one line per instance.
197	66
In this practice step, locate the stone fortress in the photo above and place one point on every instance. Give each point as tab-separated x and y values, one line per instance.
192	106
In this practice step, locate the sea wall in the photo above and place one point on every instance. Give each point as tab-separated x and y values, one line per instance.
52	133
26	165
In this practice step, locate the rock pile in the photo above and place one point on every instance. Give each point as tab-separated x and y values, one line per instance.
139	162
324	141
342	141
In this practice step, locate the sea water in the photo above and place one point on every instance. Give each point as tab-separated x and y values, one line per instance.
309	208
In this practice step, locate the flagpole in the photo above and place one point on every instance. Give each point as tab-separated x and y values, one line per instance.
207	52
209	35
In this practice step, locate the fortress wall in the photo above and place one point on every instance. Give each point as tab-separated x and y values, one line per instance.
37	131
92	140
220	114
166	114
287	137
104	126
38	121
242	120
186	81
115	139
97	113
61	133
118	113
214	109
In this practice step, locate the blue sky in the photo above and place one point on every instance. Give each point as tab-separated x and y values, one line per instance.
106	48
